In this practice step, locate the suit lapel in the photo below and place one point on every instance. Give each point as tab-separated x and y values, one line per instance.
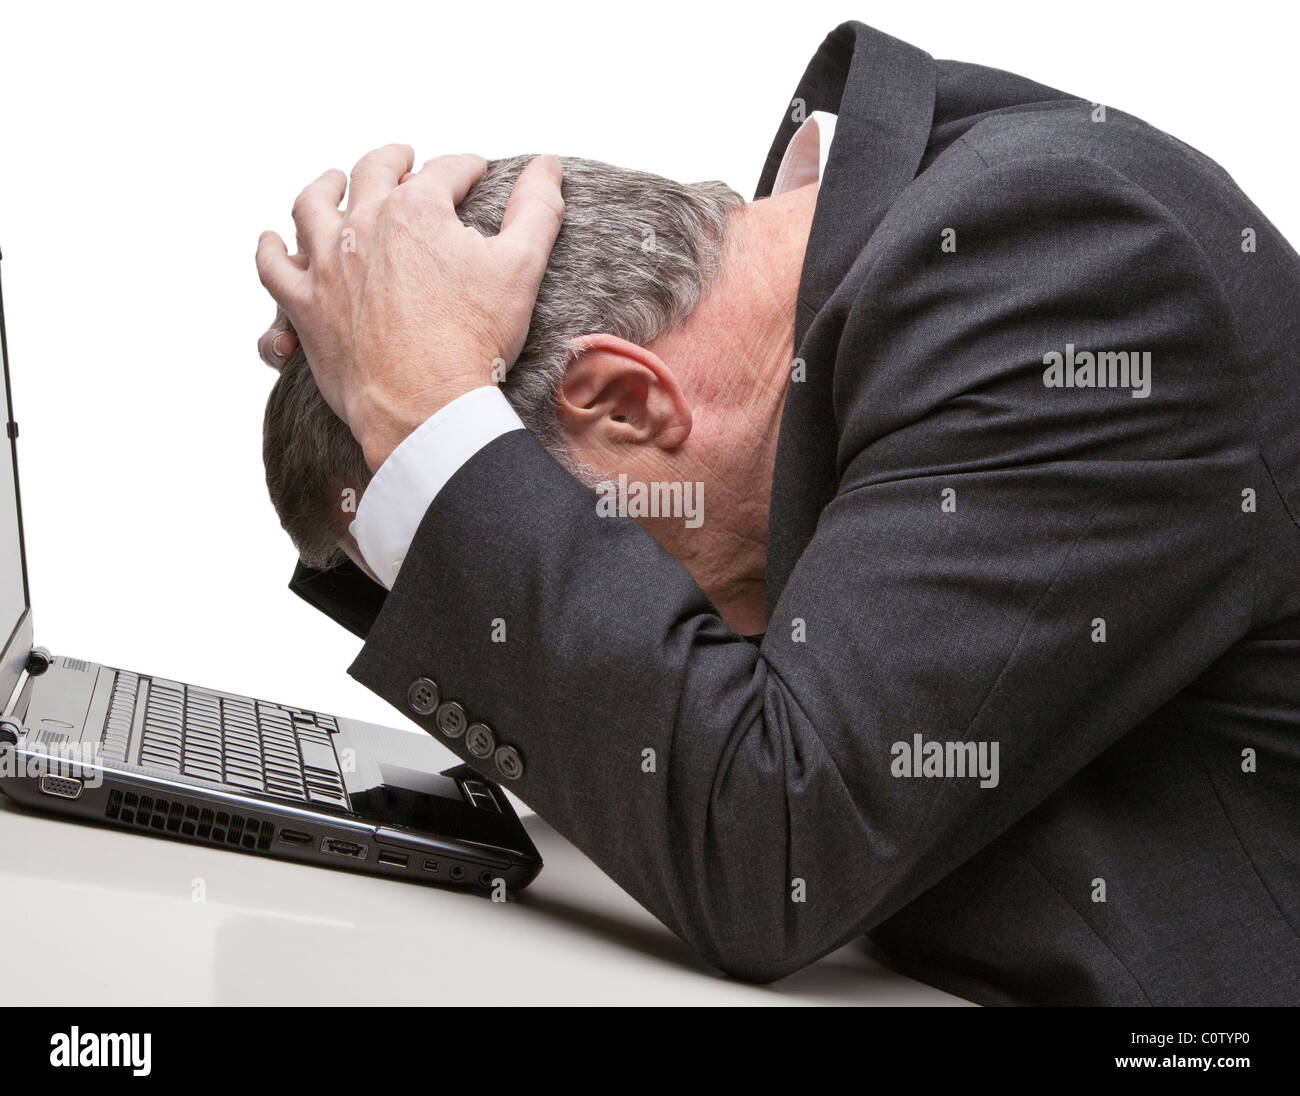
883	93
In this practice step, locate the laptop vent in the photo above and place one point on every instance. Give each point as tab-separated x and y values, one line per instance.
189	820
76	664
52	738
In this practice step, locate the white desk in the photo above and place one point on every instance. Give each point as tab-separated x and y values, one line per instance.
120	918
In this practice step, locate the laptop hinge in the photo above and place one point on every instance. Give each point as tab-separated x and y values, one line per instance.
38	661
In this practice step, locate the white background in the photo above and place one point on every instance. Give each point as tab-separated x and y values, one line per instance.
144	147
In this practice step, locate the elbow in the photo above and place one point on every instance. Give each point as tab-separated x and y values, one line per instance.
759	970
751	926
761	951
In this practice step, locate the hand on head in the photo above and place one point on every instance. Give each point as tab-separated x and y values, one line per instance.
400	307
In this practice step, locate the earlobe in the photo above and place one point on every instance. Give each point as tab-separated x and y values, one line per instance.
615	392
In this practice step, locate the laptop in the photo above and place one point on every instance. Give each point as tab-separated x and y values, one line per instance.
166	759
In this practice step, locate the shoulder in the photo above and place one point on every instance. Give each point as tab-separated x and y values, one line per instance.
1031	180
1075	144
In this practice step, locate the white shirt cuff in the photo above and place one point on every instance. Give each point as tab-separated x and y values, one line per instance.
405	485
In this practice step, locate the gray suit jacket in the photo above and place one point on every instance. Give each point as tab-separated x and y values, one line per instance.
1105	586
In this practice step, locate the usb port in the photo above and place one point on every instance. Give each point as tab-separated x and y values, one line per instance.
393	859
344	848
295	837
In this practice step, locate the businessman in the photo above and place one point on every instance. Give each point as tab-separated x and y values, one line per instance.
987	645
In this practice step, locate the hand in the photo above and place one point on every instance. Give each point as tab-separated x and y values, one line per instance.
400	307
278	342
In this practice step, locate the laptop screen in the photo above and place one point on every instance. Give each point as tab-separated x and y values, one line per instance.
15	618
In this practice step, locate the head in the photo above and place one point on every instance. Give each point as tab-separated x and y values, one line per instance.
621	372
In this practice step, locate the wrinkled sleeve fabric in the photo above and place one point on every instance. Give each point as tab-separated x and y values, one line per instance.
1003	563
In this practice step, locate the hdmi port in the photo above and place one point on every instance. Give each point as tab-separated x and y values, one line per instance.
294	837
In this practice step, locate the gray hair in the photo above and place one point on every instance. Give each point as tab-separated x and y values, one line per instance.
634	256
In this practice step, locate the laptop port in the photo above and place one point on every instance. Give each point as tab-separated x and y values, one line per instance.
295	837
393	859
457	872
432	865
344	848
62	787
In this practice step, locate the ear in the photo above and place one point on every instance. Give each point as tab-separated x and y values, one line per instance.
617	393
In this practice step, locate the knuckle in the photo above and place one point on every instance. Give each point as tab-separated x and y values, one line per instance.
519	255
402	203
384	152
301	204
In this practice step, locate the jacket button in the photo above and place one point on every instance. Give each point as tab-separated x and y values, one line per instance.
509	763
451	719
422	696
480	741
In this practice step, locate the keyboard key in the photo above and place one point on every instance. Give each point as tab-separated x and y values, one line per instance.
317	756
254	745
243	780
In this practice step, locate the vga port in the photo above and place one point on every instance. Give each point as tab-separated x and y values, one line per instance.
62	787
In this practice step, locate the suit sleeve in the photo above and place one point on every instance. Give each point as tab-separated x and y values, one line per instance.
1005	563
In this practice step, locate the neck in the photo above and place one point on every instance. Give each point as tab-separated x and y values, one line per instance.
744	331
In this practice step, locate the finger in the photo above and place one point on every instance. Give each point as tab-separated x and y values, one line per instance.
449	178
316	210
278	272
534	214
278	342
377	173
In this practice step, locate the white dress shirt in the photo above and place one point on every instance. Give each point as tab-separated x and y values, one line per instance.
405	485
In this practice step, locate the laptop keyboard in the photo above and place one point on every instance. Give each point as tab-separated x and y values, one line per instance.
249	744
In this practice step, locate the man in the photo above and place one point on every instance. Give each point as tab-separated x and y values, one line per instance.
1023	549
